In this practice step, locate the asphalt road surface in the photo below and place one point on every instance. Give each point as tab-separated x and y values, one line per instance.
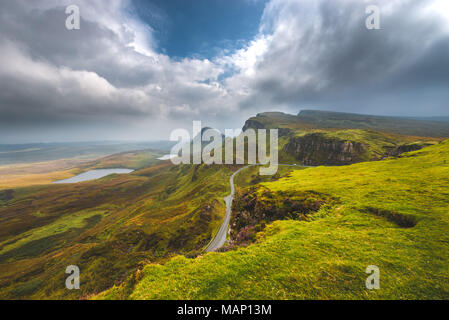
220	237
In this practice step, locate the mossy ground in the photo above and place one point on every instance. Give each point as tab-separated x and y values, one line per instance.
326	257
108	227
128	230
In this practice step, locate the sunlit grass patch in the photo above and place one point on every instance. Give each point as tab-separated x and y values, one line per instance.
404	233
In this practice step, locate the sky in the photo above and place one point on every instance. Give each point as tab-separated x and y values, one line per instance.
136	69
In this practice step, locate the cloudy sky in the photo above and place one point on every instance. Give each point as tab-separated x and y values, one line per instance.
137	69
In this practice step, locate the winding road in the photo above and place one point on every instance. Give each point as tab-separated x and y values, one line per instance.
220	237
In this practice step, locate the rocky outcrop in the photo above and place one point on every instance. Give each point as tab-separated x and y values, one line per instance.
251	211
253	124
404	148
316	149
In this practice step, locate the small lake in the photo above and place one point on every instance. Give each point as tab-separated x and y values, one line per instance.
94	174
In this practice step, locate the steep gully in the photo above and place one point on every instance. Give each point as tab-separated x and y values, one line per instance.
220	238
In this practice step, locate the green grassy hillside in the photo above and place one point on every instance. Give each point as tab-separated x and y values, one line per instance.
302	233
108	227
391	213
131	159
311	138
314	119
398	125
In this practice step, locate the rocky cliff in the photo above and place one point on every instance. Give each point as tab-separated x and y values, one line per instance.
254	124
330	146
316	149
405	148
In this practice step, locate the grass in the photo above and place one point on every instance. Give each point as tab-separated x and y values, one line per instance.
398	125
108	227
326	256
251	176
142	235
378	142
63	224
131	160
313	141
14	176
43	173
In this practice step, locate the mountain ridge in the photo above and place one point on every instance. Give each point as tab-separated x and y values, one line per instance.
332	138
398	125
378	212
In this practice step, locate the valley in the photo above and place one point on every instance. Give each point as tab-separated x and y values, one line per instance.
108	227
372	197
94	175
390	213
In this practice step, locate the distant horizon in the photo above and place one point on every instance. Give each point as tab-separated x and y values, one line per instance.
439	119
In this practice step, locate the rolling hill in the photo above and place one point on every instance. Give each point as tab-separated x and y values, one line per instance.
108	227
332	138
390	213
398	125
302	233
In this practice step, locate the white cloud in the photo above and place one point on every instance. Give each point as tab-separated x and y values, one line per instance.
111	63
309	52
317	53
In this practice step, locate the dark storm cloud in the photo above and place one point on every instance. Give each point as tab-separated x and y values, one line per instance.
308	54
327	58
107	70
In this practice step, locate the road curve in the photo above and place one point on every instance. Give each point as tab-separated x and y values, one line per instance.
220	237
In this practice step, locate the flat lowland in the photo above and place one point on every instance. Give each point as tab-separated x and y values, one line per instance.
44	173
41	173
